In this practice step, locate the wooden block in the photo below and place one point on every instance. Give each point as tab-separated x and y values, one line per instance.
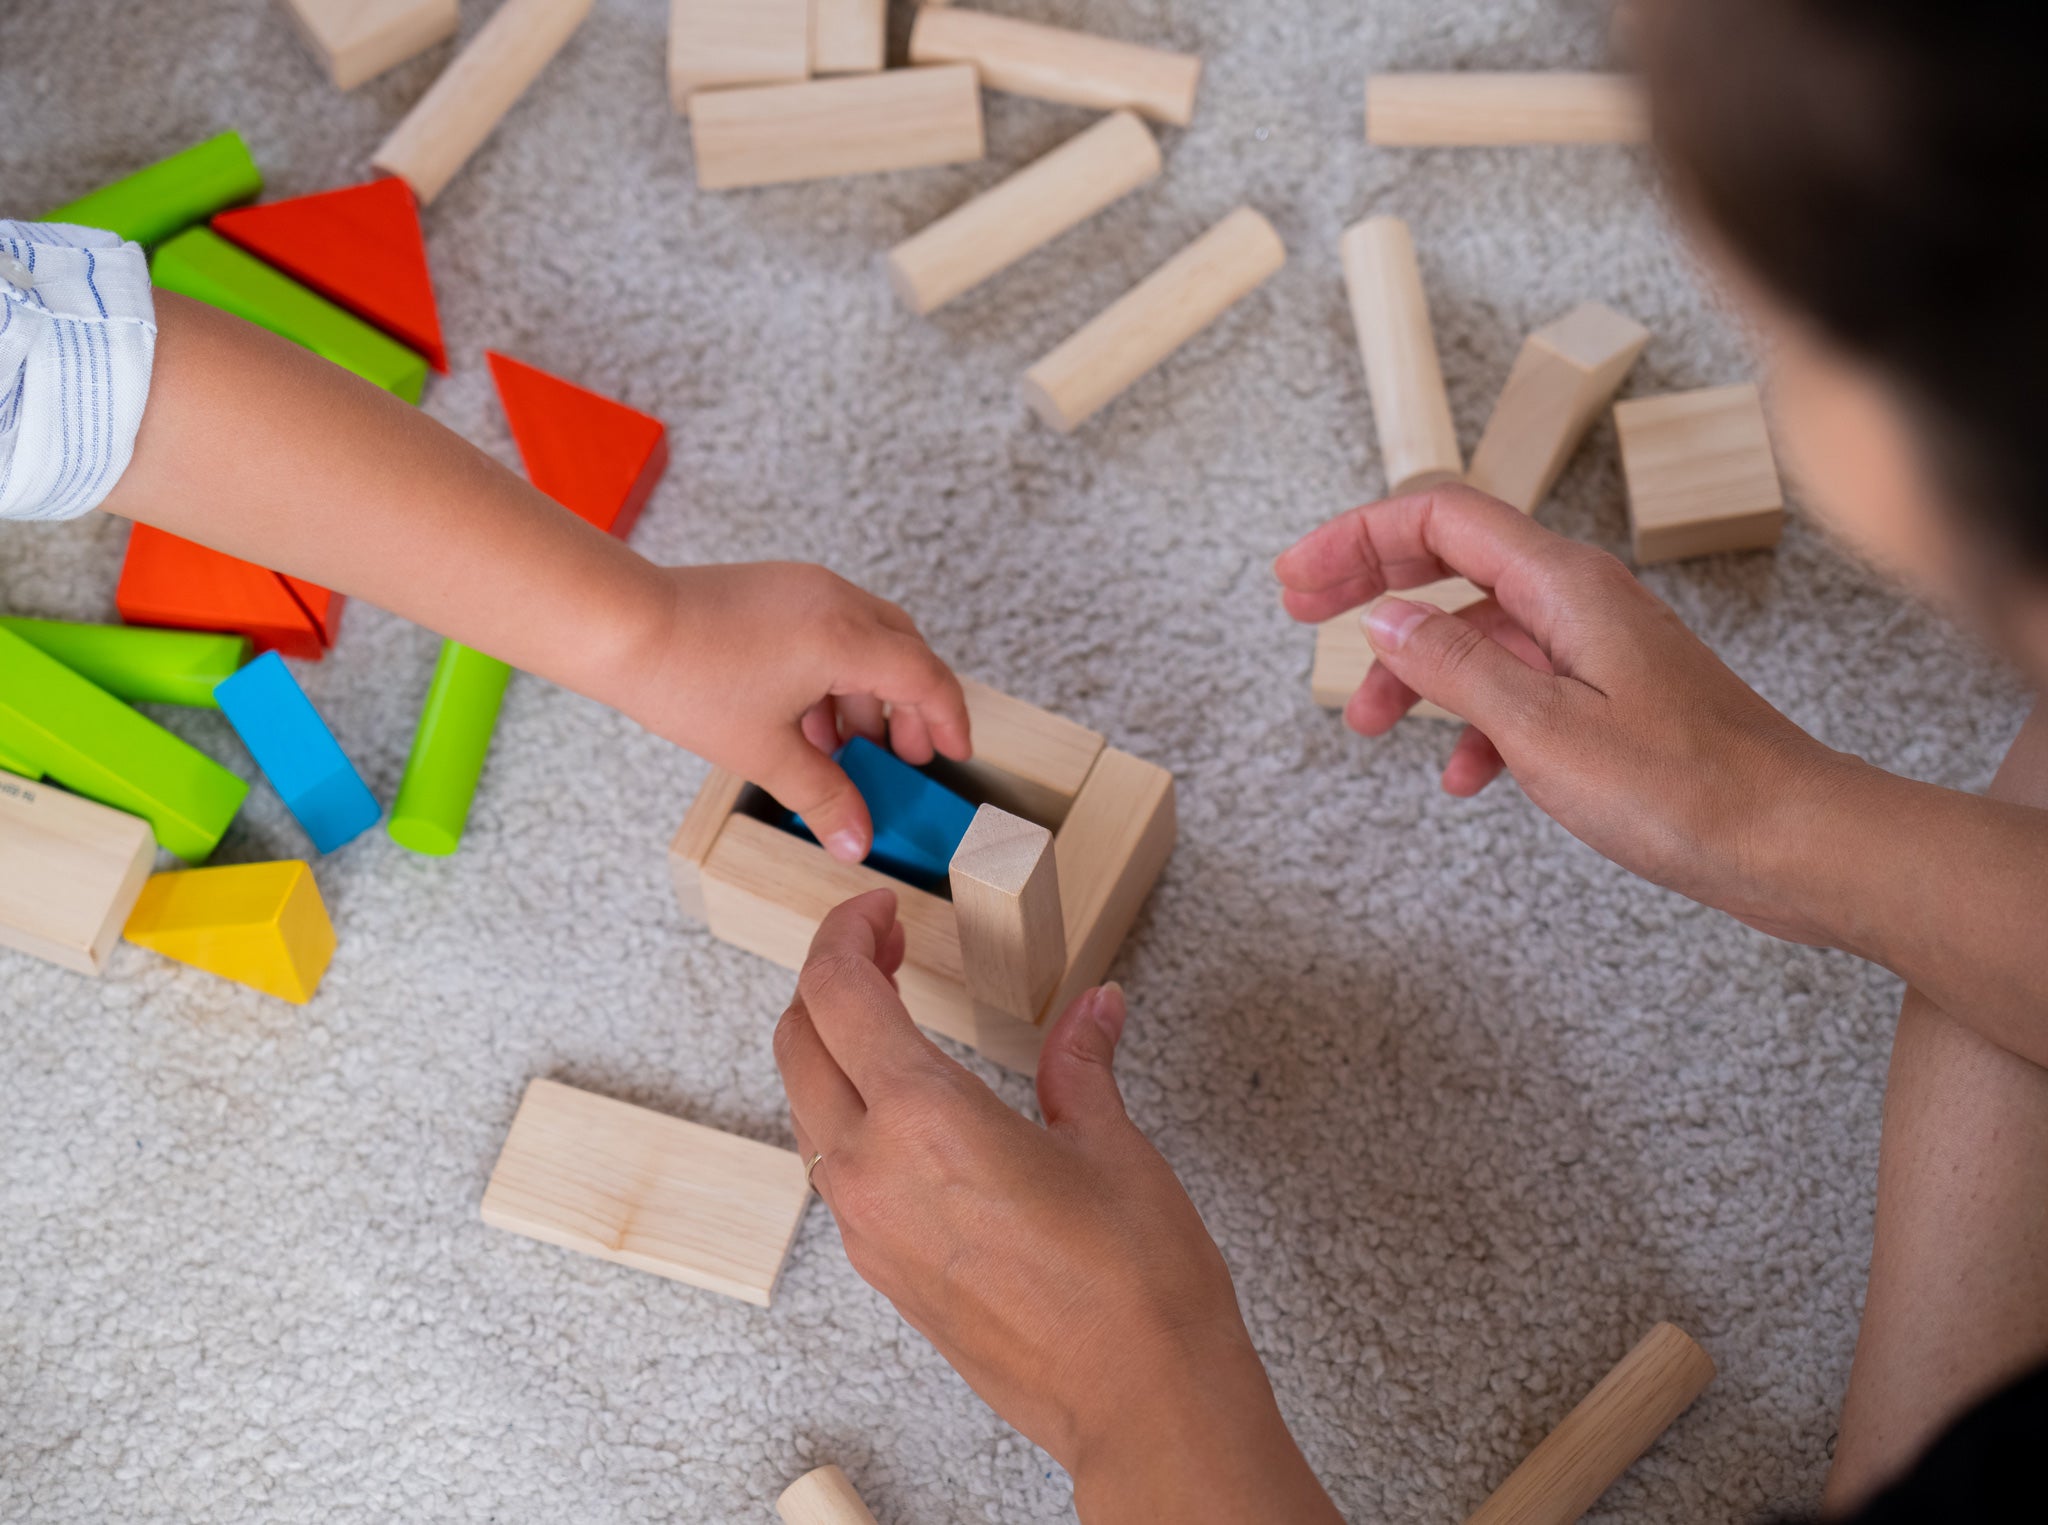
360	39
823	1497
176	583
1566	373
715	44
263	925
849	36
70	872
1025	212
170	195
1418	441
1006	899
1465	110
1110	853
702	823
773	134
1598	1441
1701	477
1028	761
448	751
1054	64
360	247
649	1191
1153	319
298	753
135	665
597	458
471	97
1344	656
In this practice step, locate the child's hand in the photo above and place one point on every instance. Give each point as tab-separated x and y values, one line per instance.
1061	1269
1612	716
764	669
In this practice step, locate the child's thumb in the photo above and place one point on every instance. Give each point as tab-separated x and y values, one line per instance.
1076	1082
817	789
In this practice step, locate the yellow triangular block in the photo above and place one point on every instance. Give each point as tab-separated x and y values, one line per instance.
260	924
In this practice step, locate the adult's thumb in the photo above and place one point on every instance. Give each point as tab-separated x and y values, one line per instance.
817	789
1453	663
1076	1075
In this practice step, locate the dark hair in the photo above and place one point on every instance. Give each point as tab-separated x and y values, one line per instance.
1881	167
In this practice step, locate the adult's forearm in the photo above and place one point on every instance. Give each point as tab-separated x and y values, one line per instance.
252	446
1946	889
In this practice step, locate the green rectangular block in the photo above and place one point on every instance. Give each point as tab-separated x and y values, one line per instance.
200	264
171	194
136	663
87	740
21	765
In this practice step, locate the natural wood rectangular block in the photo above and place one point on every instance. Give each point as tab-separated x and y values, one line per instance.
1344	655
1055	64
1405	379
859	124
1470	110
70	872
1701	476
766	890
648	1191
359	39
849	36
716	44
1565	374
1153	319
1025	212
1006	900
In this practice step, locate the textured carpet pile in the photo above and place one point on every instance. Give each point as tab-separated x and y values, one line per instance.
1467	1108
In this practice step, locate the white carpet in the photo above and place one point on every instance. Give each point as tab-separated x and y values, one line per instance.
1468	1108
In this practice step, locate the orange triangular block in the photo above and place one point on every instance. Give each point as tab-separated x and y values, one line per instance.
359	247
323	606
170	581
595	457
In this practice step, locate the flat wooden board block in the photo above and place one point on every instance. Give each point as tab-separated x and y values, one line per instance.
716	44
170	581
1055	64
70	871
1566	373
849	36
1701	476
649	1191
263	925
1466	110
858	124
360	247
1344	654
597	458
823	1497
359	39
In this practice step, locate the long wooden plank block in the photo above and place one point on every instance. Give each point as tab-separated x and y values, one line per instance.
1470	110
69	873
1114	845
1054	64
854	125
649	1191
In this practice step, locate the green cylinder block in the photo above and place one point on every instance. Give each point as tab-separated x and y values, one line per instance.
448	751
171	194
136	663
202	265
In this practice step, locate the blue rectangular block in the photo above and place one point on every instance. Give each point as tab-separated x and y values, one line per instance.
918	821
297	753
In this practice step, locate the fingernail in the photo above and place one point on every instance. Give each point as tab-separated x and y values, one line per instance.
847	846
1390	622
1108	1009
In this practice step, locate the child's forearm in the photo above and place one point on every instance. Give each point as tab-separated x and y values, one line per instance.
252	446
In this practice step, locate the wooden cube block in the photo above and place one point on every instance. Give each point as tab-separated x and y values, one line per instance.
715	44
359	39
1701	476
649	1191
764	890
854	125
70	871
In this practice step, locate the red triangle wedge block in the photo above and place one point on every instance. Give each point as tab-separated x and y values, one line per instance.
597	458
172	582
359	247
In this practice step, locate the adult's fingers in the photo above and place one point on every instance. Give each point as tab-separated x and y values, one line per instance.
1474	763
1452	663
853	1005
1077	1087
806	779
1383	699
822	1102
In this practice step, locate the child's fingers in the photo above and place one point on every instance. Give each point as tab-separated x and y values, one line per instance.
910	736
908	674
820	725
817	788
863	715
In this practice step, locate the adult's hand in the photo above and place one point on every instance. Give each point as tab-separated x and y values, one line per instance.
1061	1269
1612	716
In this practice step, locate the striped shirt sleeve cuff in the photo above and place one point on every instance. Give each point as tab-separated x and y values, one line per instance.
77	336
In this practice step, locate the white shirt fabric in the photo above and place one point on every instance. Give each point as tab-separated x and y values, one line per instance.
77	337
